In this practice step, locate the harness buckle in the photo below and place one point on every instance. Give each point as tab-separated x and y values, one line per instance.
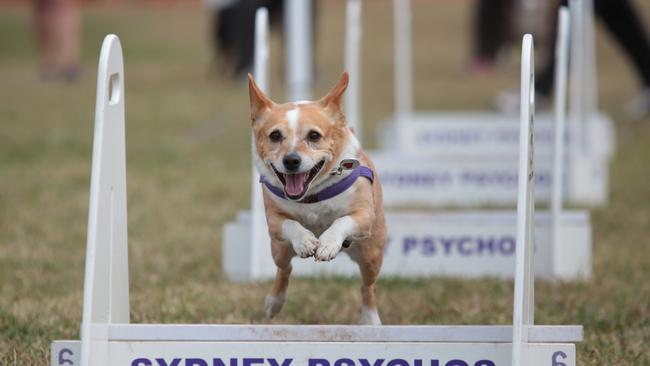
345	164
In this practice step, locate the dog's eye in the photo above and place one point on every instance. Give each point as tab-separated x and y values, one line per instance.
275	136
314	136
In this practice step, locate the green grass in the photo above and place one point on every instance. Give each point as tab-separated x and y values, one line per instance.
187	161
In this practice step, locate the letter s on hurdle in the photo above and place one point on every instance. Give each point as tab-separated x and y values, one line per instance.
141	362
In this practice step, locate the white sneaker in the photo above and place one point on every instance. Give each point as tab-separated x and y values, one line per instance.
639	107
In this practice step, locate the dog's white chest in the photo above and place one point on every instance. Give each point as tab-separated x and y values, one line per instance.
317	217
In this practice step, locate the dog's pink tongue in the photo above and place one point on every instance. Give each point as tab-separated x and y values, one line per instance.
295	183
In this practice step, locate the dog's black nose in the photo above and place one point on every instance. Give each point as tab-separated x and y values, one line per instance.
291	162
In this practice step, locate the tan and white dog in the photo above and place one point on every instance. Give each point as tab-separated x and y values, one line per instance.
321	192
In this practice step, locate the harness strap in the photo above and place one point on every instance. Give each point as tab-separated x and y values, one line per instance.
329	192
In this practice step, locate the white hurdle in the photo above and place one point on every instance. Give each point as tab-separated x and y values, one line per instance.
557	192
106	285
459	244
299	50
403	67
525	277
584	86
465	156
353	29
108	338
259	230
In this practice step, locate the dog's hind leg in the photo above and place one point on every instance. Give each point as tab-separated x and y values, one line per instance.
282	255
369	311
369	261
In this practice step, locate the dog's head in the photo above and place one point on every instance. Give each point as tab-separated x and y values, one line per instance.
297	143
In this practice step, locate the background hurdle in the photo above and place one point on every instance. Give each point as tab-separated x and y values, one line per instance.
453	139
460	244
109	339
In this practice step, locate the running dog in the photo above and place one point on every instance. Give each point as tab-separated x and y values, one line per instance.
321	191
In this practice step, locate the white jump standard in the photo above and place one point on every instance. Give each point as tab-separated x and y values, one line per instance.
475	152
107	338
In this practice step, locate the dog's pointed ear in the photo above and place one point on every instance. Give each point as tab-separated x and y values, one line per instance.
334	99
259	101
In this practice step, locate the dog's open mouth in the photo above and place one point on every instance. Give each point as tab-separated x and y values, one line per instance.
295	185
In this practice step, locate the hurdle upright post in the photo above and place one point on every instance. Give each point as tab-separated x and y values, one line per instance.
106	281
523	317
559	109
577	100
590	88
298	35
262	53
259	233
403	68
353	34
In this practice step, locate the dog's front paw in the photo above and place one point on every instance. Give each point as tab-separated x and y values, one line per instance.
305	246
330	246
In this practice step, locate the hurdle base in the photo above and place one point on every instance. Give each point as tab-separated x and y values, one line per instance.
410	179
469	159
323	345
421	244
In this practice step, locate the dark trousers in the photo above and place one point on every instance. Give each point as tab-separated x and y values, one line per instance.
623	23
234	30
491	27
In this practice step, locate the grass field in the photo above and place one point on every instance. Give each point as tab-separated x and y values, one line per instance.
188	159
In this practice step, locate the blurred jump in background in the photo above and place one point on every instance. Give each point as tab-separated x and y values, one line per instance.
498	22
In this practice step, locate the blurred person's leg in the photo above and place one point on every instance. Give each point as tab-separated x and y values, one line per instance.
234	34
44	32
546	75
626	27
622	21
57	28
69	24
225	28
508	101
246	36
233	30
490	30
544	82
246	33
276	12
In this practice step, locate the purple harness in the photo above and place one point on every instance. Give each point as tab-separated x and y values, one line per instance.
329	192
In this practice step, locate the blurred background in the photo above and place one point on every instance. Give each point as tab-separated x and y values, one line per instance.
188	146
